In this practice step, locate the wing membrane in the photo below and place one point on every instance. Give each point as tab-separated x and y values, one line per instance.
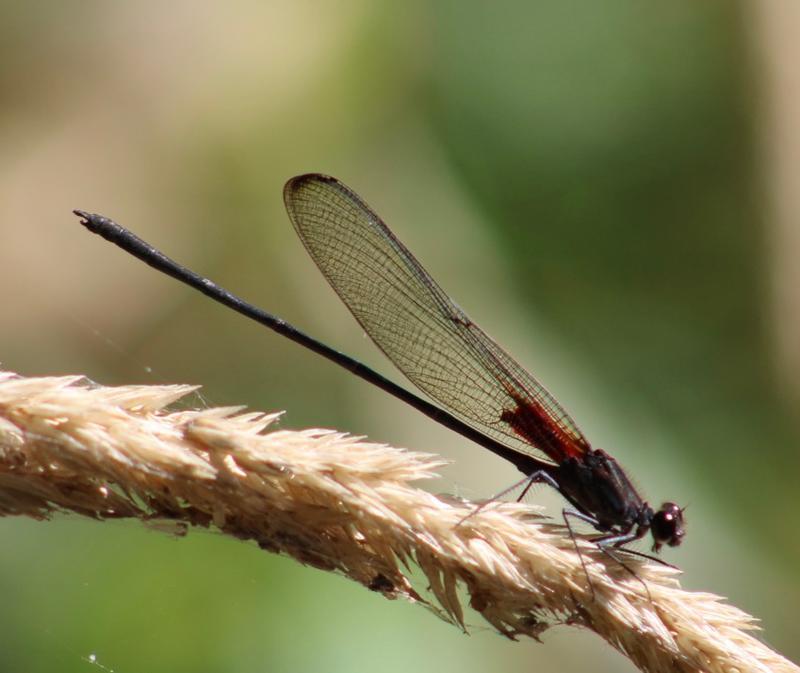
419	328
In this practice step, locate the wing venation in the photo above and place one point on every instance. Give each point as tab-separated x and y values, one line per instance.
419	328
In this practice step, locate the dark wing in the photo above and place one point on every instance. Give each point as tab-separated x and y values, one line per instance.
419	328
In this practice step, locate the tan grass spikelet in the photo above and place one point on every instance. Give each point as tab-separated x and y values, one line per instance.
343	504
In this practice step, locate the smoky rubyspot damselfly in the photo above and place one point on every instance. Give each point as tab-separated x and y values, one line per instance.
481	391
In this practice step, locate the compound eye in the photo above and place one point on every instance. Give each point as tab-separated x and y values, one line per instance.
667	525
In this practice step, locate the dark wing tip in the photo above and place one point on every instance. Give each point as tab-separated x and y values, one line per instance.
296	183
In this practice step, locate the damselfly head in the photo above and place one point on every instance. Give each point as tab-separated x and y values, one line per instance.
667	526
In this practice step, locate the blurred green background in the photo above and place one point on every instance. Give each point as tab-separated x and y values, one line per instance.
593	182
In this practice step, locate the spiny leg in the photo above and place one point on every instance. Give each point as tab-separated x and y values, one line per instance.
649	557
587	519
604	544
614	542
540	476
